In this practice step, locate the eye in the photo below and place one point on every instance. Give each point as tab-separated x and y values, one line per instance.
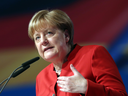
37	37
49	32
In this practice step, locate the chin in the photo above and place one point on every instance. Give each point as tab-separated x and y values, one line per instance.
49	58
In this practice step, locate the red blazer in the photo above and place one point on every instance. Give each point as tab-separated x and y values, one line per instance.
95	64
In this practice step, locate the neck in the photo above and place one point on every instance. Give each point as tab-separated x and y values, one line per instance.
58	68
58	64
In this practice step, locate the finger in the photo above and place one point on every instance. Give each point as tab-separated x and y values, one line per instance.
64	86
61	82
61	85
73	69
63	78
66	89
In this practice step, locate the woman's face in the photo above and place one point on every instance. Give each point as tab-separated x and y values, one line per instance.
52	43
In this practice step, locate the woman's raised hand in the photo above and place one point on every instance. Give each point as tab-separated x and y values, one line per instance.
73	84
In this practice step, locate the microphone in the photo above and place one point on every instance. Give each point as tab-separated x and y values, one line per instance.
30	61
20	71
24	66
17	71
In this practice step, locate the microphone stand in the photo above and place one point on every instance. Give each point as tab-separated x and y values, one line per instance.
15	73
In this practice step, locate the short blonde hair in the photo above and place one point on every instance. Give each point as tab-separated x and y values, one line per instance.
56	18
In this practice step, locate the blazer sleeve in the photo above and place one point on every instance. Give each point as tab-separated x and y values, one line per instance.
108	81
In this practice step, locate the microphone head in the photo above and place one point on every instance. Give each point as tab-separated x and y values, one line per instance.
30	61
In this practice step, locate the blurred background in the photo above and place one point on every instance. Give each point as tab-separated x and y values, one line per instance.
102	22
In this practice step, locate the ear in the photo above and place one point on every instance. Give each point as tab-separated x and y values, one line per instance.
67	37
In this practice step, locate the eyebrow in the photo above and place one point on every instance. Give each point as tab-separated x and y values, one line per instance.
45	30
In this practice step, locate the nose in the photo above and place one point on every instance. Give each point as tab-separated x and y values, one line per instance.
44	41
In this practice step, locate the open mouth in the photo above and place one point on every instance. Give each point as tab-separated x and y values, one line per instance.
47	48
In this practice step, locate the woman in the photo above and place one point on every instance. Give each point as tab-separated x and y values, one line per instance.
74	70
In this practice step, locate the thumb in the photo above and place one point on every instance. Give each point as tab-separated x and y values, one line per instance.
73	69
